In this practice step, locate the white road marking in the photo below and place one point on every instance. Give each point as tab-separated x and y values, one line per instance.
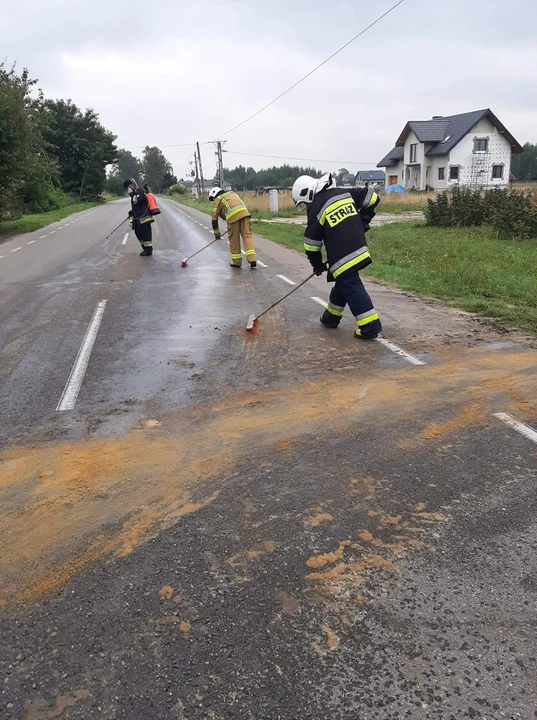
525	430
30	242
243	252
205	227
60	228
41	237
321	302
1	256
259	262
399	351
74	383
286	279
52	232
124	241
15	249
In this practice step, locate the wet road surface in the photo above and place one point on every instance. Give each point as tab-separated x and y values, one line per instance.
285	525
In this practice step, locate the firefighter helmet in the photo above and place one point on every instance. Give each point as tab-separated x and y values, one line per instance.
214	192
325	182
304	189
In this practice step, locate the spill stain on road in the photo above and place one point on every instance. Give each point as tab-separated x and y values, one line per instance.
68	504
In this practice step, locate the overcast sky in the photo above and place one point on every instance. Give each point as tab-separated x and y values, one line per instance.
168	72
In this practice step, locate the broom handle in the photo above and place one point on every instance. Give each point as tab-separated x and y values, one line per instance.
114	230
285	296
208	245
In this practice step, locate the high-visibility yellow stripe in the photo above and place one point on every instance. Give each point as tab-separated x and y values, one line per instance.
374	198
335	206
351	263
367	320
232	213
250	252
311	248
333	311
236	257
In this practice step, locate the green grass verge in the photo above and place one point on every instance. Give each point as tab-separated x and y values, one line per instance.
467	268
29	223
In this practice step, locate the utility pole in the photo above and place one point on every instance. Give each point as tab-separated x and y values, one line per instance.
201	169
220	163
197	174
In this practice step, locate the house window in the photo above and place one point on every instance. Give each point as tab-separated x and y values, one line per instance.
454	172
442	173
414	153
481	144
497	172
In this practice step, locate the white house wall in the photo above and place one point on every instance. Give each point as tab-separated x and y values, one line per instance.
395	170
436	163
499	153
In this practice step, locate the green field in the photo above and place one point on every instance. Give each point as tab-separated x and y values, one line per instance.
29	223
469	268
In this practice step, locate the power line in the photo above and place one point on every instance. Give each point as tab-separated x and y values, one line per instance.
316	160
314	70
136	147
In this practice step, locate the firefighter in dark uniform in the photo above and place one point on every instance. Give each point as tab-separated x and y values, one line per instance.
339	219
140	217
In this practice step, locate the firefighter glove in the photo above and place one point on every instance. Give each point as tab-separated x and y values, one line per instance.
320	267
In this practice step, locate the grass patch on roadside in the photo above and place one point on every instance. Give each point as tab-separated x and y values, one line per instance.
467	268
29	223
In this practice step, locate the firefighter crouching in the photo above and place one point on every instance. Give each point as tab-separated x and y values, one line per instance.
231	208
339	219
140	216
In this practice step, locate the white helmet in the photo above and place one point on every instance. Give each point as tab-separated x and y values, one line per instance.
303	189
214	192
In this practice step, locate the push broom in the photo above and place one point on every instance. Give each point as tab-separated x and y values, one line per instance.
184	261
253	320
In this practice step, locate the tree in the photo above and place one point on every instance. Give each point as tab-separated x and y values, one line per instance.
242	178
158	171
126	166
524	165
81	145
27	174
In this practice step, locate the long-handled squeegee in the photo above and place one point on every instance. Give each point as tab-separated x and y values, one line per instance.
184	261
253	320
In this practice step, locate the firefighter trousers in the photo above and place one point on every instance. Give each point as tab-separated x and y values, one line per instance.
236	230
349	290
144	234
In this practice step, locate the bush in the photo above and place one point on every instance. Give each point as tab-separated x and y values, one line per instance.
438	212
177	189
511	214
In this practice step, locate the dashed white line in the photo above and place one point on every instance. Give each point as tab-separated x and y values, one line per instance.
124	241
30	242
1	256
399	351
74	383
15	249
260	263
52	232
321	302
60	228
41	237
286	279
525	430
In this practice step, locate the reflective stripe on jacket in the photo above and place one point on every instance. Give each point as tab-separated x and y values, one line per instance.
336	218
229	207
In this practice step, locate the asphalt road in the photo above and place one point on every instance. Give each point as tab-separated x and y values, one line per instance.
285	525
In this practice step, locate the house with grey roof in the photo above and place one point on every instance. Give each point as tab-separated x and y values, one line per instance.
472	149
370	177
